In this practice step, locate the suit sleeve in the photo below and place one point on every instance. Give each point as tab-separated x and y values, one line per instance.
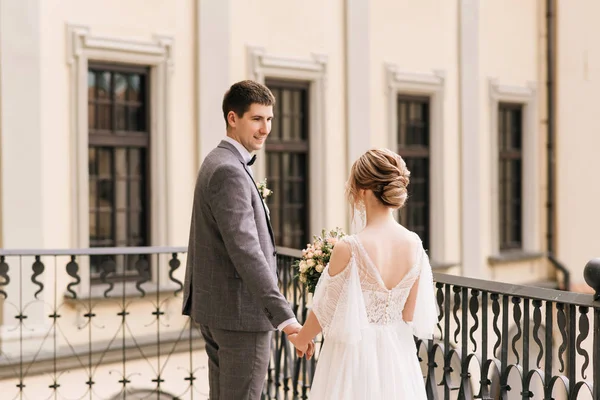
231	204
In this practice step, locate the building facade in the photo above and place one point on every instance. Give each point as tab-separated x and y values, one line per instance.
107	110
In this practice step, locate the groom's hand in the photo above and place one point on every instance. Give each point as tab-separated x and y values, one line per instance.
292	331
300	349
292	328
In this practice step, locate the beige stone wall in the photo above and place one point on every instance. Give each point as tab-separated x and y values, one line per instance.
578	141
417	39
308	33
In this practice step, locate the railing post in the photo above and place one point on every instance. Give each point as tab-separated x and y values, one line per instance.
596	354
591	274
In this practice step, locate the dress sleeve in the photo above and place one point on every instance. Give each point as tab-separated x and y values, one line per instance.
339	306
426	311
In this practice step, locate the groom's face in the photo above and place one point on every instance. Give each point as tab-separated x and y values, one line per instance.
252	128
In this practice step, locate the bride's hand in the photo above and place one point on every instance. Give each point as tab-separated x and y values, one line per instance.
301	348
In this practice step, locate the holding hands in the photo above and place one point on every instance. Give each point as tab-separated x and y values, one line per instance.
304	346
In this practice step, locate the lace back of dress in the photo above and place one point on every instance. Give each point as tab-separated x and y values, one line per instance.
383	305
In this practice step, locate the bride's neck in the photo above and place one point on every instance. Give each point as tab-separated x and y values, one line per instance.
379	216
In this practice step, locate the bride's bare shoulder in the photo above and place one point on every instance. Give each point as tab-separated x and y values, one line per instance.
340	257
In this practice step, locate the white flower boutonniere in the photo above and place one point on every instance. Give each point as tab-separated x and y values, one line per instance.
263	189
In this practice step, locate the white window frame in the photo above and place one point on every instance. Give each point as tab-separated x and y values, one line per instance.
157	54
527	97
312	70
429	84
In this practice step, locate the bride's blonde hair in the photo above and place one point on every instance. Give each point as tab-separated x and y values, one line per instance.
383	172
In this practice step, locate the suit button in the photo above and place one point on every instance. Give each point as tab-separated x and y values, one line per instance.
274	253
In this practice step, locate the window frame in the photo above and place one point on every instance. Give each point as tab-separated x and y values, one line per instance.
430	85
114	139
313	70
527	97
156	53
292	147
416	152
504	156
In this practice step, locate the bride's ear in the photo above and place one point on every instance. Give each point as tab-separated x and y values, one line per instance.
362	194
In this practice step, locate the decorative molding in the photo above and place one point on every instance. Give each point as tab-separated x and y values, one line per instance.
313	70
212	72
357	32
81	43
266	65
527	97
472	183
417	81
82	47
517	94
431	85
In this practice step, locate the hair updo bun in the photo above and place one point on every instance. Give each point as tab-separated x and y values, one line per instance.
383	172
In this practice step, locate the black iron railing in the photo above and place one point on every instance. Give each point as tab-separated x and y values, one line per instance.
62	336
66	335
493	341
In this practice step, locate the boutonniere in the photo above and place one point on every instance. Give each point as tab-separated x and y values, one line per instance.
263	189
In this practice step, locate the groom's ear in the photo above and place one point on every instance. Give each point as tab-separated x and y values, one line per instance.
232	118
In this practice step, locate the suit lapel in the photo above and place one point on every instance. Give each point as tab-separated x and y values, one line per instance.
226	145
263	205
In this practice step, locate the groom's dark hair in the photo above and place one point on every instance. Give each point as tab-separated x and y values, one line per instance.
243	94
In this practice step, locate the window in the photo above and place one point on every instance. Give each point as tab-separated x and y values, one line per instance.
510	159
119	141
287	164
413	146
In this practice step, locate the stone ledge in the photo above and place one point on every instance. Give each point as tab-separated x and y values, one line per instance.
514	256
66	358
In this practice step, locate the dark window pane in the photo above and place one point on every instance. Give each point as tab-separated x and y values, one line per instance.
103	84
413	147
120	119
134	90
121	229
91	85
103	120
91	116
286	115
117	163
510	133
93	227
120	87
105	195
135	194
287	164
104	162
137	116
135	163
105	226
93	170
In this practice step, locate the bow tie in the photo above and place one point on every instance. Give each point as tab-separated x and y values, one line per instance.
249	163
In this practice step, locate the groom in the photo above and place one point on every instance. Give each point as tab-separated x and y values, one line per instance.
231	279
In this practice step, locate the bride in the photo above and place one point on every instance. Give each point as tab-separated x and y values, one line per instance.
375	294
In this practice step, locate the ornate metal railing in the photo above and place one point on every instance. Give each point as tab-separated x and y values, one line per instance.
107	324
68	335
493	341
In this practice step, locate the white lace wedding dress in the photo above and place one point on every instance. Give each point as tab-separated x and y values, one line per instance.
369	350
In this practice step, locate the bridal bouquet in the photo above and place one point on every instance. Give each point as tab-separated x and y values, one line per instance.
315	257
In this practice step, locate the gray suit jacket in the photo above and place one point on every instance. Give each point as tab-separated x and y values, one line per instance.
231	276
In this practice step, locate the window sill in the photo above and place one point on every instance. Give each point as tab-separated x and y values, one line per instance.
124	290
513	256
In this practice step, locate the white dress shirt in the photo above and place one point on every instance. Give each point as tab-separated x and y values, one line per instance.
243	151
